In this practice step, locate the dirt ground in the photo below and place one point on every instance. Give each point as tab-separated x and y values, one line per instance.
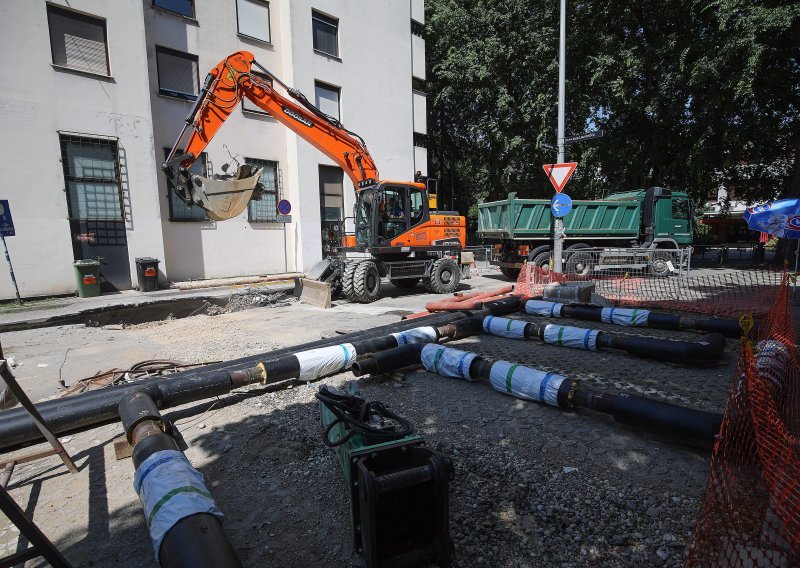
534	486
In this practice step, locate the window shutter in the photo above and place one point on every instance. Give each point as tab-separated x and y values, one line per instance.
177	73
253	19
327	100
78	41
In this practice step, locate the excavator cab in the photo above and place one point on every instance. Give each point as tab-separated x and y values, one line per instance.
386	213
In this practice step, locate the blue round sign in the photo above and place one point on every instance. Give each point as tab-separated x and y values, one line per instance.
284	207
561	205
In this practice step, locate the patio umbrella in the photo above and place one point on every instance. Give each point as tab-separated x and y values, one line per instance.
778	218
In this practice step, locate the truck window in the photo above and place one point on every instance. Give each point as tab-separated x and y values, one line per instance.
680	209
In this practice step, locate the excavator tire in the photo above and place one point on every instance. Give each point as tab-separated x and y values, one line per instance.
347	282
366	282
444	277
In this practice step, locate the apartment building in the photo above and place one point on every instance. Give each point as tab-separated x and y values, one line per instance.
99	91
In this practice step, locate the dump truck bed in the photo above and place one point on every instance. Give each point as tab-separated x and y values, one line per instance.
514	218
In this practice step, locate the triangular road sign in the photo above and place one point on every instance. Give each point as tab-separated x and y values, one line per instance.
559	174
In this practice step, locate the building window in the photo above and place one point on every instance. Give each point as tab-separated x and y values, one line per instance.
326	33
178	210
418	85
265	210
250	106
326	99
253	19
417	29
182	7
177	73
78	41
91	173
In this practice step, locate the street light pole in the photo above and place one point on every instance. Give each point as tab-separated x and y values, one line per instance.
558	236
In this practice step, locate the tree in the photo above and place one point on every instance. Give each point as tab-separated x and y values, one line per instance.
690	94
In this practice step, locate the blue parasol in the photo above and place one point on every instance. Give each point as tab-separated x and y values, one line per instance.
778	218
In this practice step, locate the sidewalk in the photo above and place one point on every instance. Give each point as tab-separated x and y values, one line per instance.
65	310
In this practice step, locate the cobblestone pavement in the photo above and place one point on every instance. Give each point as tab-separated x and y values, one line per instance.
534	485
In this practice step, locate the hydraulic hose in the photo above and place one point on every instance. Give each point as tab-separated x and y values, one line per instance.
90	409
634	317
183	520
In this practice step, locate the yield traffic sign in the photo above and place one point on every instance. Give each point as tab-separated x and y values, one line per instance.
559	174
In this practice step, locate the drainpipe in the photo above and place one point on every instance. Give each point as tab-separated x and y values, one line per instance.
183	520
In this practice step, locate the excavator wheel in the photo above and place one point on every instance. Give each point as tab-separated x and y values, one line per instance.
444	277
366	282
347	281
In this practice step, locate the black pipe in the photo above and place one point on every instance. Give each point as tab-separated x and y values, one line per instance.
661	417
196	540
661	320
88	410
389	360
705	352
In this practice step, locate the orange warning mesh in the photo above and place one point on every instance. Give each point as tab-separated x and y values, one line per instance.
750	512
729	293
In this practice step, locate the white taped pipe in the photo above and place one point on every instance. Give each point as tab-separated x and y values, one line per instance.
447	362
504	327
543	308
316	363
568	336
623	316
525	382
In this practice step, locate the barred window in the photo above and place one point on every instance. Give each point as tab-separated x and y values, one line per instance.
92	177
265	210
178	210
78	41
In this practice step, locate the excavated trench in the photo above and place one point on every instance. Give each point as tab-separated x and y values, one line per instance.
170	309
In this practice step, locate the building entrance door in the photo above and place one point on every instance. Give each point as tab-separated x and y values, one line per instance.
96	212
331	203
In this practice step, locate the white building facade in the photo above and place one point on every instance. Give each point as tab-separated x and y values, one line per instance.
105	88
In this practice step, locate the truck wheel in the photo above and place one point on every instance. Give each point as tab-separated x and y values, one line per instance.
366	282
444	277
508	272
347	281
542	260
405	282
580	263
658	263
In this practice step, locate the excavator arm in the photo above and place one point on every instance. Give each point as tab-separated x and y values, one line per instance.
226	196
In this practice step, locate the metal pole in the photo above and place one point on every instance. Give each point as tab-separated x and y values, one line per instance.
11	270
558	237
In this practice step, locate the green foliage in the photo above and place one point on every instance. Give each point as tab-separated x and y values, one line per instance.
689	94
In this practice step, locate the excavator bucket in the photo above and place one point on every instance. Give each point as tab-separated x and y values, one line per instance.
226	196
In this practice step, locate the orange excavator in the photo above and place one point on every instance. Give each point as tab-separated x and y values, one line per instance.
398	232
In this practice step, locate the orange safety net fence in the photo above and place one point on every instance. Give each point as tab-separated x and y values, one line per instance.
750	512
727	293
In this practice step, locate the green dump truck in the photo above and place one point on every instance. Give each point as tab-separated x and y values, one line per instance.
642	229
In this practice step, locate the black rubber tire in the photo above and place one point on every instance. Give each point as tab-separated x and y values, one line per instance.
366	282
405	282
347	282
444	277
580	263
511	273
658	263
542	260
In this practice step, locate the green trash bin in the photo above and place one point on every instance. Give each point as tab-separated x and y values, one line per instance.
87	273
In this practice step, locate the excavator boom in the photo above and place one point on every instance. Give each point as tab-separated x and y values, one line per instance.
231	80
